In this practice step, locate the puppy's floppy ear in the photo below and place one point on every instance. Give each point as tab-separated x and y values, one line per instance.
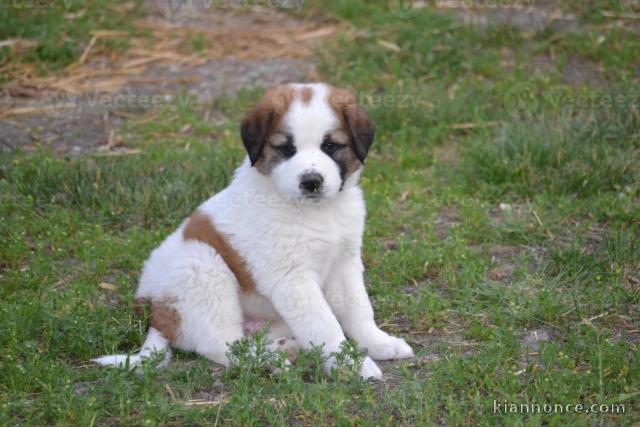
255	130
361	129
264	120
355	121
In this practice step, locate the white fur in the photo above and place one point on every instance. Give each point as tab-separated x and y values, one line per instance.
304	255
155	343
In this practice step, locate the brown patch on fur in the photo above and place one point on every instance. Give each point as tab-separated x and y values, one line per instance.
139	305
162	316
346	158
269	158
201	228
166	319
307	94
353	120
265	120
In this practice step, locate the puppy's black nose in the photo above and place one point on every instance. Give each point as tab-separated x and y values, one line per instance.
311	182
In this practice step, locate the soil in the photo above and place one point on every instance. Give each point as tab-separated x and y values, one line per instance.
81	109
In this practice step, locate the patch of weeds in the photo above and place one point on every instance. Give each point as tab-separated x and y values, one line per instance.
198	42
60	29
348	362
617	249
166	188
585	155
253	355
308	366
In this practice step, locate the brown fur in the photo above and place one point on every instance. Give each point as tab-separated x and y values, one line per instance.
339	100
166	319
346	158
265	120
353	121
200	228
162	316
269	158
306	95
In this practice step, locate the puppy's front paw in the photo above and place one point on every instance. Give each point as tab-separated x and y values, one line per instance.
370	370
389	347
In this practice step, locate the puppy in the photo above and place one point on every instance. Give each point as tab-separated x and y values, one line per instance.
282	243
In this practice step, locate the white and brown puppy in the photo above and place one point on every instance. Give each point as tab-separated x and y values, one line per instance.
281	243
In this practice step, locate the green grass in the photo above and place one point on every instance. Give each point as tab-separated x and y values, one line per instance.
583	156
61	29
477	236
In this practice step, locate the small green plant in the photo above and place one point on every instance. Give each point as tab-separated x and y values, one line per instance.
348	362
254	355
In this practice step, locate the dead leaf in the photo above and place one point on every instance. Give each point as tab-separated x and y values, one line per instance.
389	45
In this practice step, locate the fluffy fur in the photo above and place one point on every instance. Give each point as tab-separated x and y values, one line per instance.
293	223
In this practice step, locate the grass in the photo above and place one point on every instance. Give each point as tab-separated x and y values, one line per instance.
502	206
60	30
582	156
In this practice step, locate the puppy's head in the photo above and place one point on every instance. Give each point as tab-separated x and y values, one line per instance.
311	140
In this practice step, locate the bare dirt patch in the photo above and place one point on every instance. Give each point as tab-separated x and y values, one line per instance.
525	14
532	339
532	17
207	53
445	220
575	71
503	258
530	343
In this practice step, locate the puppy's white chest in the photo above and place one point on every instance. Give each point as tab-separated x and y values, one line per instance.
310	242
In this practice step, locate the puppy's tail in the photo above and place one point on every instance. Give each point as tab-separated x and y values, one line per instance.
155	344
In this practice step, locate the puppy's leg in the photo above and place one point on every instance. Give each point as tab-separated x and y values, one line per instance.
301	304
209	306
348	298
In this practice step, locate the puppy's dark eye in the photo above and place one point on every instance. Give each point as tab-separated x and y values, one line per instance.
287	149
330	147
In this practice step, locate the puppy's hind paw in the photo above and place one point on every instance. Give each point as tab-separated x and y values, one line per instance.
290	345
